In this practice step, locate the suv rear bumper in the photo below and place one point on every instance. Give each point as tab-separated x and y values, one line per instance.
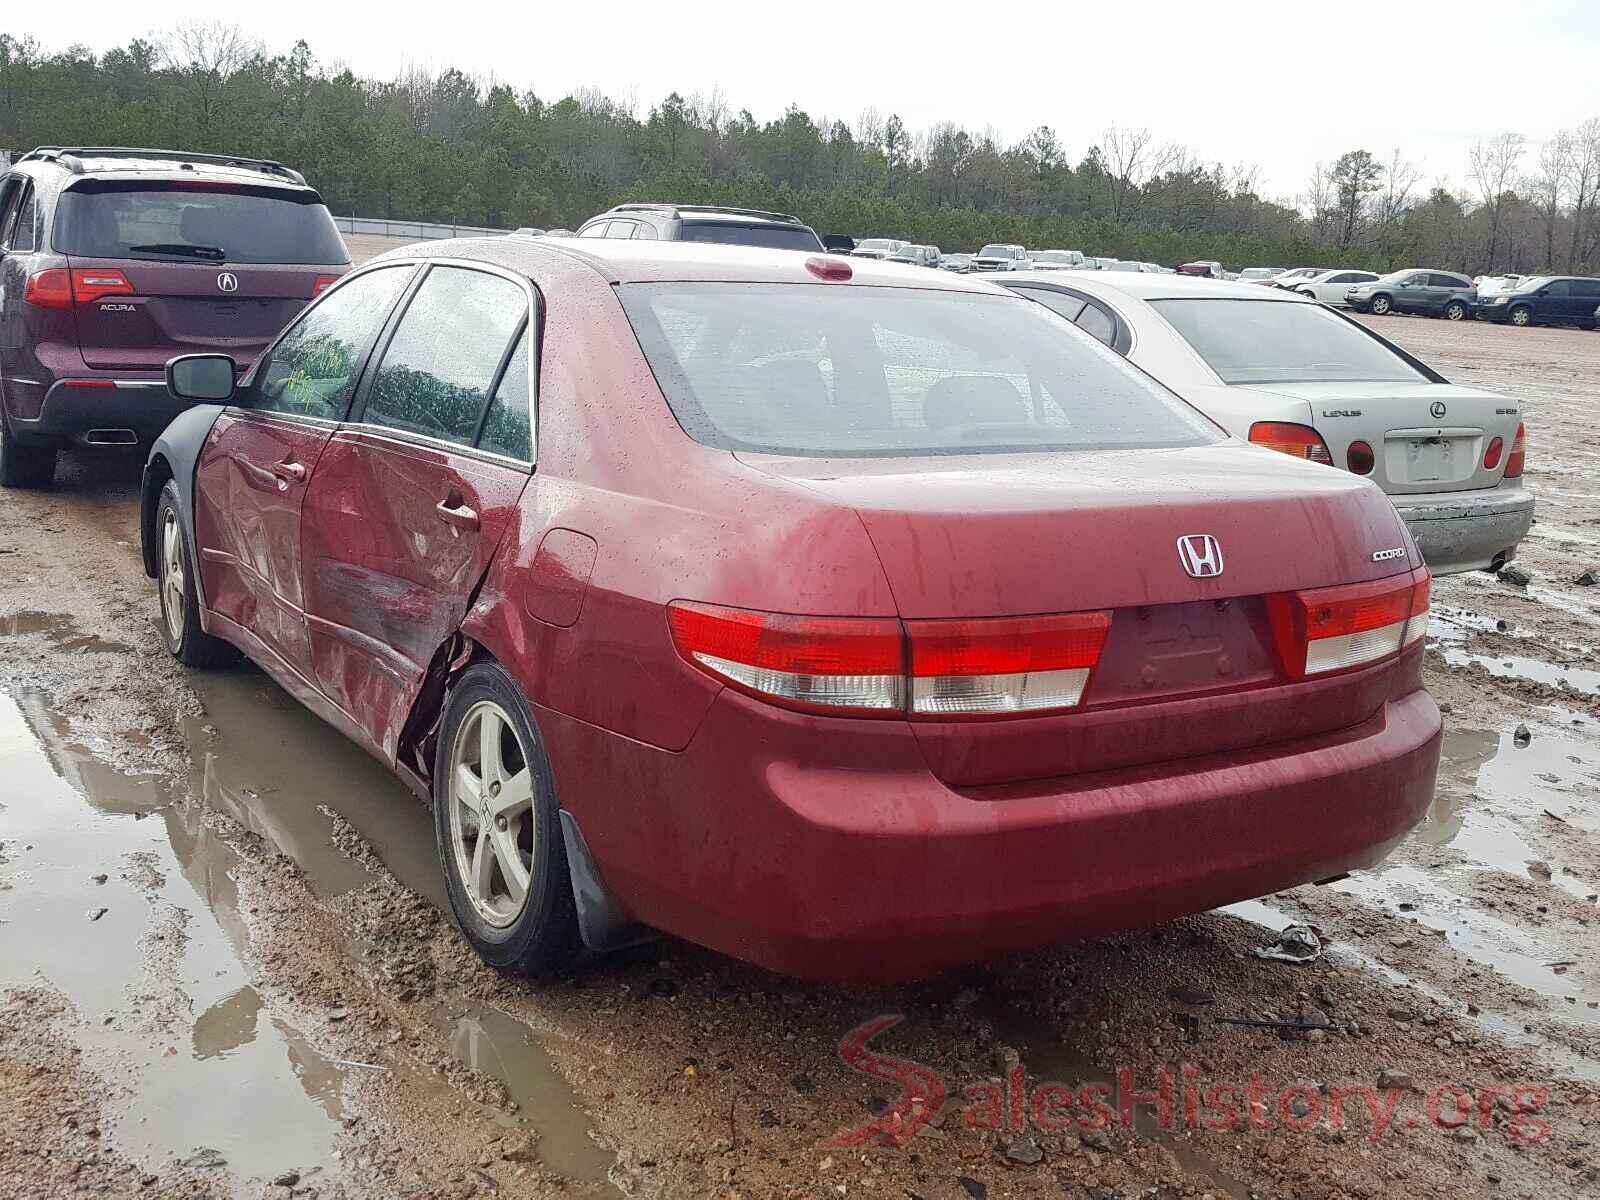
107	412
1467	531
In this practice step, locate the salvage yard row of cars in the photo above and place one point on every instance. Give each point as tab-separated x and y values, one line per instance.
813	608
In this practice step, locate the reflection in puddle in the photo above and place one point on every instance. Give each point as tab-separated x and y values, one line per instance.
60	630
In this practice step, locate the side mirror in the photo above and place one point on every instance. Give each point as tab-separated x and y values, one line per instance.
204	377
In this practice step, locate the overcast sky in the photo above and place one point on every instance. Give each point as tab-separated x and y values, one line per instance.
1283	85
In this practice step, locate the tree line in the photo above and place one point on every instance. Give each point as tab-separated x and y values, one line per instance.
447	147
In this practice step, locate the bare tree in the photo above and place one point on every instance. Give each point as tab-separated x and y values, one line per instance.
1492	165
1318	198
206	55
1548	188
1128	156
1585	183
1394	199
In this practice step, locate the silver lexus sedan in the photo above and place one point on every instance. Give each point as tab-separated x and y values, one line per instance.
1285	372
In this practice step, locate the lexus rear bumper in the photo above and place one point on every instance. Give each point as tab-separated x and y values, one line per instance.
1467	531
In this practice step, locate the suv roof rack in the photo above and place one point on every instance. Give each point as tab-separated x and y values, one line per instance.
677	210
71	157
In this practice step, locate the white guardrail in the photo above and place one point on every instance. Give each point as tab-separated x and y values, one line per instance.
416	231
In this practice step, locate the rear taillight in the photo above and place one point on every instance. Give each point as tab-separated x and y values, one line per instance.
1336	628
999	665
1359	458
1519	452
322	284
867	666
1286	437
93	283
1491	456
49	289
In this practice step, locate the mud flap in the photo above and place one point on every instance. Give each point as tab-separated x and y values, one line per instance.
601	923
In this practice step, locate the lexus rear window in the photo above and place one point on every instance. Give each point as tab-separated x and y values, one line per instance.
1275	341
183	223
727	233
822	370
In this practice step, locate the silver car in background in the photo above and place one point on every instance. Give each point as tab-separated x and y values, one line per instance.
1294	376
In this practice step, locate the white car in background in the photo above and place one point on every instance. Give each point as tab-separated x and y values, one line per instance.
1057	260
1288	279
1330	286
1294	376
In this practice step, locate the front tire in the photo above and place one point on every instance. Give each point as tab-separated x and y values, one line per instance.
24	466
177	595
1380	306
498	828
1455	311
1522	316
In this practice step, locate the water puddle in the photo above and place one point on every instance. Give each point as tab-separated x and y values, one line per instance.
60	630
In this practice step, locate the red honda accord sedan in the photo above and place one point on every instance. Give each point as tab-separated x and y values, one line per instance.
851	619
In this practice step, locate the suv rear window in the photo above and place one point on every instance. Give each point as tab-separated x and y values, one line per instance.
730	233
196	223
823	370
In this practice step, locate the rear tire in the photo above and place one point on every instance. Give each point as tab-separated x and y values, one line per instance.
176	595
1455	311
1380	306
1522	316
498	828
24	466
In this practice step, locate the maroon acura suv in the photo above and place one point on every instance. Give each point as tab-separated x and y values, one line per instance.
112	260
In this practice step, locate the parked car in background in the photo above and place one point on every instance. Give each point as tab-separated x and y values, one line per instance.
838	243
961	264
1259	274
1000	256
1544	300
1427	293
1210	269
1488	285
703	223
1057	260
1121	264
887	726
916	255
114	260
1295	275
877	247
1099	263
1331	287
1276	369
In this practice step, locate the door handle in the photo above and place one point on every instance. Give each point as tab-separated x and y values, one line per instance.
458	515
292	471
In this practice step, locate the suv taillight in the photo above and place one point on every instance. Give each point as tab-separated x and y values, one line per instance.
1286	437
1333	629
1519	453
94	283
872	666
49	289
322	283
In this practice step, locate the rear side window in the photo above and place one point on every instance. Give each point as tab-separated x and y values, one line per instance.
598	229
1058	302
1096	322
508	429
620	229
312	370
1557	290
1450	281
18	217
26	235
823	370
189	222
727	233
1586	287
446	353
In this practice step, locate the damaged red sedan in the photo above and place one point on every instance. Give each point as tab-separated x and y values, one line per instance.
854	620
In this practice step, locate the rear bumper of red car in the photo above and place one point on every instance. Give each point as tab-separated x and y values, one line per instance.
869	868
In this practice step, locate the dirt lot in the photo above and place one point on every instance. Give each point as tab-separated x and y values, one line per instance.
224	972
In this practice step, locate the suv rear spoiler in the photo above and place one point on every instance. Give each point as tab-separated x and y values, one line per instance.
71	157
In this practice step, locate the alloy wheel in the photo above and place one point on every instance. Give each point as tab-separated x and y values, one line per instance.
172	579
1454	312
491	813
1380	305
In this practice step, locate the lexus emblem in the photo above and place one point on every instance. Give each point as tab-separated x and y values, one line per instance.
229	282
1437	408
1200	555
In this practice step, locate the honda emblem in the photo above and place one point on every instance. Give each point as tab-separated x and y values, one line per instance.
1200	555
228	282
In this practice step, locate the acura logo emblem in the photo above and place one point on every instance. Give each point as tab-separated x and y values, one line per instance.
1200	555
228	282
1437	408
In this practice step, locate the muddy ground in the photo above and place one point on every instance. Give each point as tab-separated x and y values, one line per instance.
224	971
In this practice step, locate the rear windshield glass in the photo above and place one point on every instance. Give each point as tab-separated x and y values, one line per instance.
823	370
182	223
1272	341
774	237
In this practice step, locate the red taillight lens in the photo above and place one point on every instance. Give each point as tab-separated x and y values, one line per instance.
1001	665
1359	458
1333	629
322	284
834	270
49	289
1286	437
91	283
1519	452
853	664
1491	456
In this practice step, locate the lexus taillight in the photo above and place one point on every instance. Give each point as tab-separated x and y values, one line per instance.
93	283
1335	628
1286	437
868	666
322	283
49	289
1519	452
